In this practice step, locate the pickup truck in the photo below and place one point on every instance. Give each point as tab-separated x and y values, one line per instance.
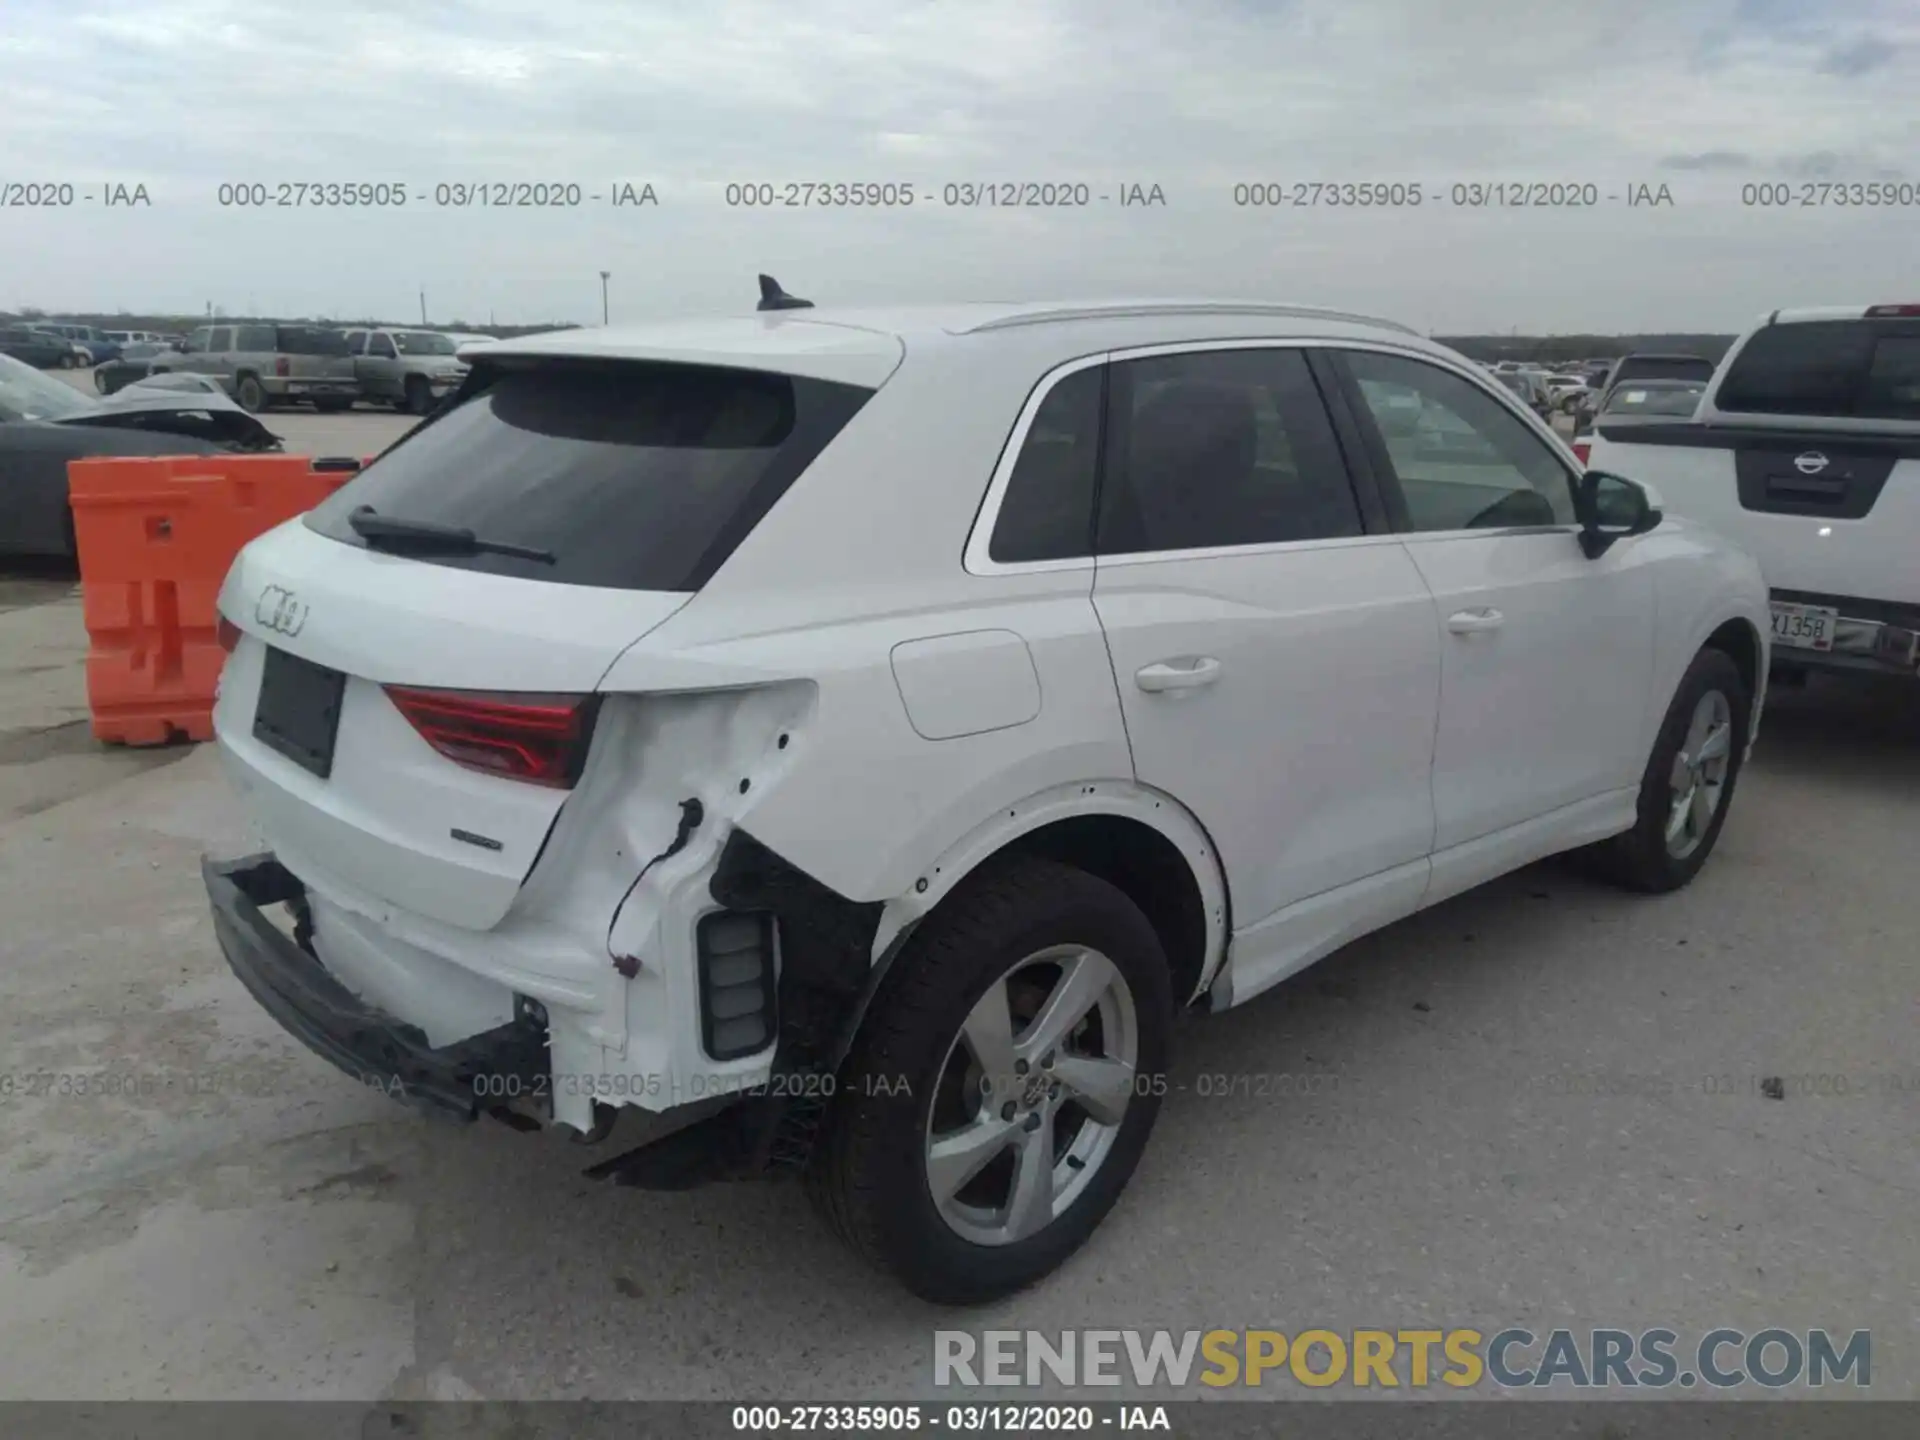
1805	450
411	369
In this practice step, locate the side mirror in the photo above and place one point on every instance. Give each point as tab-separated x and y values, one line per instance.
1611	508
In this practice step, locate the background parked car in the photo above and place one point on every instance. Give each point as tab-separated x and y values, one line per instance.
175	383
95	344
1566	390
37	348
1647	366
138	360
266	363
412	370
44	423
1639	401
76	354
1530	388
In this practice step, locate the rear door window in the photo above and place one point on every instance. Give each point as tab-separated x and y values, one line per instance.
1219	448
255	339
634	476
1861	369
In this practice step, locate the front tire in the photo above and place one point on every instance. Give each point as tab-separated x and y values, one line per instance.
1689	780
1003	1087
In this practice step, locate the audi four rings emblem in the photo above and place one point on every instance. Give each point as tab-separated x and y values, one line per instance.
1811	463
281	610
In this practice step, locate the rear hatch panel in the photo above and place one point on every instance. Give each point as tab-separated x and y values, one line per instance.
619	486
388	814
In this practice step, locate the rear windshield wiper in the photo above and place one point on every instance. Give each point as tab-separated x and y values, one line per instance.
383	532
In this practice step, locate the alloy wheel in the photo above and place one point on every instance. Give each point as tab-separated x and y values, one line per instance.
1031	1095
1698	780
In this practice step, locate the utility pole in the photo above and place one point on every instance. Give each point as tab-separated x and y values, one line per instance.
605	275
423	304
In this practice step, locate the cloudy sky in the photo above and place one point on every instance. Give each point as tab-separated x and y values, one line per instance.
1706	97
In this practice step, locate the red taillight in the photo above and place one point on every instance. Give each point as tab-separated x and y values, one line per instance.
282	366
541	739
1882	312
1582	449
227	633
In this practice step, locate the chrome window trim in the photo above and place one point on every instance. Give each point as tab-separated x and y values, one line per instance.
977	561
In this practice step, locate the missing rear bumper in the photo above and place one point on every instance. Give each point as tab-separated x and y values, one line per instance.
457	1083
826	978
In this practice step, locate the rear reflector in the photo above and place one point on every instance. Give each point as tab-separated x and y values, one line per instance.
737	982
541	739
1883	312
1582	449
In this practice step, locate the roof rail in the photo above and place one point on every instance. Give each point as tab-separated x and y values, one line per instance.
1127	309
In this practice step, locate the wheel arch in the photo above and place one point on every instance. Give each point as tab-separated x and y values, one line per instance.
1138	838
1740	640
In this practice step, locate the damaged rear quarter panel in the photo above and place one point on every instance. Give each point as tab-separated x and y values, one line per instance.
856	799
651	752
866	803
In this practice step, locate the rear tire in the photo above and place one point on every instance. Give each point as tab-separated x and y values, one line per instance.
419	396
250	394
1689	781
917	1105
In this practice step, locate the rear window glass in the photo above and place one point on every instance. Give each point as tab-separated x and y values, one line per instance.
633	476
310	340
1663	367
1680	400
421	342
1840	368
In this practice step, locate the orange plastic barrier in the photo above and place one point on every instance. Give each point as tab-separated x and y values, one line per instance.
156	538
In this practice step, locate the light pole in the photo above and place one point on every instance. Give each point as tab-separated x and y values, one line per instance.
605	275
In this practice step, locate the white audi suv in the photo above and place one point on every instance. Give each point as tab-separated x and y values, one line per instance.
836	743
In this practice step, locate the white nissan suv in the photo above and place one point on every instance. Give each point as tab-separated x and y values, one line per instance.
837	743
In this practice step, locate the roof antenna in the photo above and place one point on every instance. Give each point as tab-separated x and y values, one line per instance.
772	297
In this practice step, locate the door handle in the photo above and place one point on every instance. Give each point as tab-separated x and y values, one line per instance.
1167	676
1473	622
